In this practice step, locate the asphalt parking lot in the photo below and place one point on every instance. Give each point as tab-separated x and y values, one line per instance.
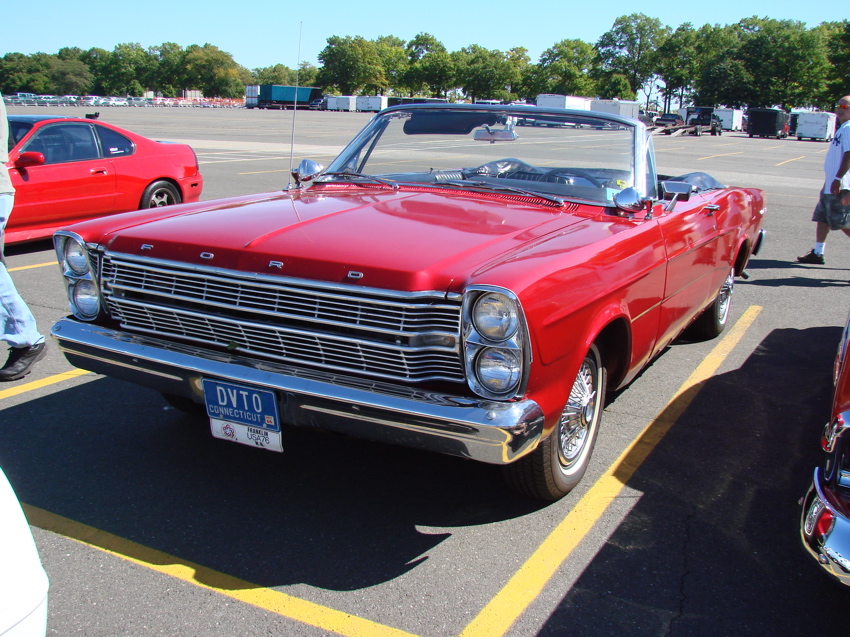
686	523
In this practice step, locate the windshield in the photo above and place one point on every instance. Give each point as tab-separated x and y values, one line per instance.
567	154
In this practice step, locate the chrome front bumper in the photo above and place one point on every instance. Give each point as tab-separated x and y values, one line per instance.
832	551
486	431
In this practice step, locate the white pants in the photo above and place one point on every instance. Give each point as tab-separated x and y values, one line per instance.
17	324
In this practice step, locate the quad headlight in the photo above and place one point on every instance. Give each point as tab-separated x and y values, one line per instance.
80	279
495	316
496	346
75	257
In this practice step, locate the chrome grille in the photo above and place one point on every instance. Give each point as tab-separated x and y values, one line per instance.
410	337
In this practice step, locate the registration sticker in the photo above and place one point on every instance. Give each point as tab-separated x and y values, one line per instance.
246	415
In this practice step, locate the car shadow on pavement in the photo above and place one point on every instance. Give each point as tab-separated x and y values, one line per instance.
331	512
712	547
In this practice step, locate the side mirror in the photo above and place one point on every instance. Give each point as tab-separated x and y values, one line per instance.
29	158
676	191
307	170
629	200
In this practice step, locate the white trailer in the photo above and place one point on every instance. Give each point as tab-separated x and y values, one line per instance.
625	108
342	103
550	100
730	118
814	126
371	102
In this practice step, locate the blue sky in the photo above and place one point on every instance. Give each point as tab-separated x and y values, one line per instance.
259	33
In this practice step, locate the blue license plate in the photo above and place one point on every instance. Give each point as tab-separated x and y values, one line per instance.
241	405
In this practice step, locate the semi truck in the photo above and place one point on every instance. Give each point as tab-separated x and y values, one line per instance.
279	97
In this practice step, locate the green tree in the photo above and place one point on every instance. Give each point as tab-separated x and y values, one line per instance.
837	81
349	64
485	74
124	68
786	61
565	68
213	72
393	56
629	48
277	74
615	86
677	64
436	71
70	77
168	71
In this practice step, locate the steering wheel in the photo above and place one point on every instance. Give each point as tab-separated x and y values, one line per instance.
578	172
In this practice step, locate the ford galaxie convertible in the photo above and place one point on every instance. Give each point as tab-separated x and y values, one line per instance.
466	279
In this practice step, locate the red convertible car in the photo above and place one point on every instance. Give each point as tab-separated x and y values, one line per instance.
453	281
66	169
825	522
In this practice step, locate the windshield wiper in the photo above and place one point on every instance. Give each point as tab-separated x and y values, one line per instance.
358	177
486	185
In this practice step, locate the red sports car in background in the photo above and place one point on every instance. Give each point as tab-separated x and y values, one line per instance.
66	169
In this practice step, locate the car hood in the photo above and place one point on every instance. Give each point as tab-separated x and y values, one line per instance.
403	240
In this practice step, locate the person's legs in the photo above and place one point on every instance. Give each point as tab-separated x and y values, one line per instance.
17	324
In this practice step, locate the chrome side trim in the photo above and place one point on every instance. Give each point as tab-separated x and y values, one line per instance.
486	431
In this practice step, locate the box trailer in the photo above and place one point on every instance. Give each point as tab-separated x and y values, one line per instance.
816	126
277	96
731	119
767	122
252	95
371	102
549	100
625	108
342	103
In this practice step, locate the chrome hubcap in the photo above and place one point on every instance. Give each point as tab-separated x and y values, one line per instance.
578	416
724	297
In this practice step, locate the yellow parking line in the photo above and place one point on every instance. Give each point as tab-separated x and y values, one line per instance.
30	267
266	598
790	160
523	588
740	152
44	382
501	612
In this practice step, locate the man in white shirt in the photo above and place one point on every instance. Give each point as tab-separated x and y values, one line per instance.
833	209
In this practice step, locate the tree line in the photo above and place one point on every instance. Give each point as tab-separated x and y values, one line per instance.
756	62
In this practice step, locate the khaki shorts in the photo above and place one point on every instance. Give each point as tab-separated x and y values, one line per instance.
830	211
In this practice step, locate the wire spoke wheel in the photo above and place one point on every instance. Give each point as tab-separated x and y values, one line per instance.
579	415
559	462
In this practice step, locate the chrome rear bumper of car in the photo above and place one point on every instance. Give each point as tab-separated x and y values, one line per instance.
832	548
486	431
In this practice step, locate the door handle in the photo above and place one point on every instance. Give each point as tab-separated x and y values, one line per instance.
98	171
710	208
